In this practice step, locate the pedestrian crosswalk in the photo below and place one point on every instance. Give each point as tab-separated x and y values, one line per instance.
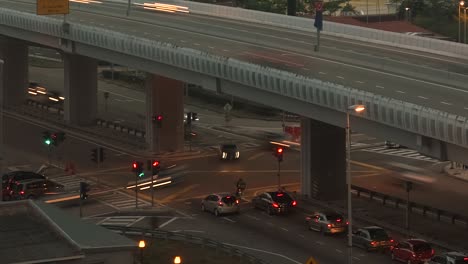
121	220
401	152
70	182
121	201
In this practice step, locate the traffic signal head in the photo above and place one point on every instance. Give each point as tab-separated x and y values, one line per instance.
279	153
156	166
84	189
47	138
135	166
94	155
158	118
279	150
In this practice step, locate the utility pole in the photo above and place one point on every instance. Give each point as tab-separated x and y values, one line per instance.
408	187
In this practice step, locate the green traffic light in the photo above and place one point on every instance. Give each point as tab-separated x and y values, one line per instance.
141	174
47	141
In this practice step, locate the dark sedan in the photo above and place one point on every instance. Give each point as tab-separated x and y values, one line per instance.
274	202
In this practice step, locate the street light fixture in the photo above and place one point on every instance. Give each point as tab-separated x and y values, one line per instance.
142	246
460	5
407	13
355	109
177	260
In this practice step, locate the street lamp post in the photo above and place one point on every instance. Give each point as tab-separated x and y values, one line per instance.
356	109
407	13
177	260
465	24
142	246
460	5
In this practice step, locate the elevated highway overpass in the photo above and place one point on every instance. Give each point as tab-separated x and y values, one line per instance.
414	97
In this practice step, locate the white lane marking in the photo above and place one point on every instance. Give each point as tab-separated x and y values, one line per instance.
211	47
406	166
356	258
167	222
466	108
284	229
169	38
319	242
157	35
146	33
264	251
270	223
196	44
339	77
121	95
422	97
339	251
378	86
306	69
253	217
359	81
445	103
225	50
398	91
322	73
256	156
228	219
183	41
301	236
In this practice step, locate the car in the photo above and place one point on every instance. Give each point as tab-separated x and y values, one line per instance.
55	97
372	238
391	145
35	88
327	222
274	202
415	251
450	258
229	152
220	203
28	189
15	176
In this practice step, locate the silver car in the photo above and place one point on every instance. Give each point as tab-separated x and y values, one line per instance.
220	203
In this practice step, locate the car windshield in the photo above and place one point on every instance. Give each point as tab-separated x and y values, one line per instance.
230	147
280	197
229	199
378	234
422	247
334	217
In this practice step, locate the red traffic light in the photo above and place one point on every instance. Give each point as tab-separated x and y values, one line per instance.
159	117
279	150
155	163
135	165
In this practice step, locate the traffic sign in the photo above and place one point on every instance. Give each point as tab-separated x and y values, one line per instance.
53	7
311	260
318	6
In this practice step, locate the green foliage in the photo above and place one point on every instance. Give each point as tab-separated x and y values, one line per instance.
272	6
349	9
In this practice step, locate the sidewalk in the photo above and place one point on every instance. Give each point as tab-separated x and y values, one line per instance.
456	170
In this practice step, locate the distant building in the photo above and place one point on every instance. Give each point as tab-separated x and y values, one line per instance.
35	232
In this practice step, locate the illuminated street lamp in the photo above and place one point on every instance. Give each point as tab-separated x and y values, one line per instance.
355	109
142	246
177	260
407	13
460	6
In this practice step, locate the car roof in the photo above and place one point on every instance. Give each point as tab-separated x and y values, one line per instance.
416	241
372	227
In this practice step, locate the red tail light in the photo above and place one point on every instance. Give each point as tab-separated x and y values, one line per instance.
294	203
347	222
329	225
338	220
465	259
220	203
373	243
275	205
433	252
279	194
392	241
237	201
21	192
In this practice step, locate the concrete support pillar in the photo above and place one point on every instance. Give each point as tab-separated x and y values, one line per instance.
164	96
323	160
14	79
80	107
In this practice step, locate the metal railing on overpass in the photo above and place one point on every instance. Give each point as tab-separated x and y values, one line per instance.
395	113
219	247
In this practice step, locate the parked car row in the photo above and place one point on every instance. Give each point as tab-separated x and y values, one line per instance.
18	185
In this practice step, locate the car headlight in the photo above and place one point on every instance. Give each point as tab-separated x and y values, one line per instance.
224	155
237	154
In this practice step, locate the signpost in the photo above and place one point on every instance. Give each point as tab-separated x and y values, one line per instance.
53	7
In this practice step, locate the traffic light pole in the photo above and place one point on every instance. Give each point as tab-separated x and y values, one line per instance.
98	156
152	190
81	207
49	153
279	177
136	190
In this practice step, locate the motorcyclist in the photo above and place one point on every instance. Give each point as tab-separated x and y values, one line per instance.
240	186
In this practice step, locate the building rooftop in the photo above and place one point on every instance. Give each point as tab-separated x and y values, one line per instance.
32	231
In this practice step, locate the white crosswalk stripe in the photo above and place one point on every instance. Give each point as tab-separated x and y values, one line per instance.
119	201
405	153
121	220
70	182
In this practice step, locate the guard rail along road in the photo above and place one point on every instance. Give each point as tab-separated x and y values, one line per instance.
176	236
406	116
447	48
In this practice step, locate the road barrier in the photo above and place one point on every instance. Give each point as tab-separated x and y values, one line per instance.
427	211
219	247
121	128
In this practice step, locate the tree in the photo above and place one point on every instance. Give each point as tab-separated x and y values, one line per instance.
332	6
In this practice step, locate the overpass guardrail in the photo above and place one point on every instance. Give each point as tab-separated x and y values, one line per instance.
427	211
406	116
219	247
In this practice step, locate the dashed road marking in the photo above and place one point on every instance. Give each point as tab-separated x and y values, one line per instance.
211	47
253	217
359	81
284	229
339	77
319	243
306	69
228	219
301	236
445	103
422	97
379	86
398	91
339	251
322	73
196	44
168	222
